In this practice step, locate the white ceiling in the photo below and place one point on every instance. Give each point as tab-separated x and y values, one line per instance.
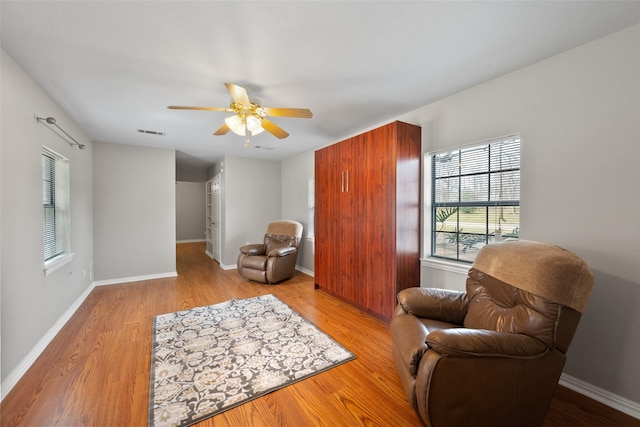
114	66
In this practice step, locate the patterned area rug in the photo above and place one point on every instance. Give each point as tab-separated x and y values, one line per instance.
210	359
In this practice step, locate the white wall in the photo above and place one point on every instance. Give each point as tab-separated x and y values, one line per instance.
190	211
187	172
250	200
134	222
31	302
296	172
579	118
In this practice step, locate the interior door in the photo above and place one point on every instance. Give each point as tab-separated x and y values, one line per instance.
216	217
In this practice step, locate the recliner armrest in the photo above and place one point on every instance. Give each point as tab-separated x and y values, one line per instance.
287	250
464	342
409	340
438	304
254	249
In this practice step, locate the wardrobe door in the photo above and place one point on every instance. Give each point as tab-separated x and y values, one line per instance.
325	211
337	247
348	278
407	211
378	230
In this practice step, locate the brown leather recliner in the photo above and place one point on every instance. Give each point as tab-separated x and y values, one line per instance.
274	260
493	355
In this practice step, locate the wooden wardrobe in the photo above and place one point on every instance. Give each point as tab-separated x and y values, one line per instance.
367	217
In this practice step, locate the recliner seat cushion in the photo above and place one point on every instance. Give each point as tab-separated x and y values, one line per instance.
256	262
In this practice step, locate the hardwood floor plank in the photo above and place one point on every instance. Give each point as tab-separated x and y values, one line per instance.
572	409
96	371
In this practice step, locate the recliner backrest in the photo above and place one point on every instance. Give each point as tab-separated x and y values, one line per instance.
282	233
530	288
497	306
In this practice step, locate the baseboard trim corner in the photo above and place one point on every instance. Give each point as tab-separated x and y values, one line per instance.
605	397
14	376
305	271
228	266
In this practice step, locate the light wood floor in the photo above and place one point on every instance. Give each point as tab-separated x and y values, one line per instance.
96	371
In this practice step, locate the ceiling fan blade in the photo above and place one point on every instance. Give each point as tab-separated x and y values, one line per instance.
274	129
303	113
238	94
180	107
222	130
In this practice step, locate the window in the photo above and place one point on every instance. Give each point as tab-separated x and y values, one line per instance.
475	198
55	203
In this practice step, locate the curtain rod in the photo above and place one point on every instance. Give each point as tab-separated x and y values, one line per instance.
52	121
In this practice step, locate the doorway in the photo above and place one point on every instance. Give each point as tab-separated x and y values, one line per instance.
216	217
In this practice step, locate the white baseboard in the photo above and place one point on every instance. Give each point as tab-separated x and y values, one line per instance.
600	395
228	266
135	278
191	241
14	376
305	270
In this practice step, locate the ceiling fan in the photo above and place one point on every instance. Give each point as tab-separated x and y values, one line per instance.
250	117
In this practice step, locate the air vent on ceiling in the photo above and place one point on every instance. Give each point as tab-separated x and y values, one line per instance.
261	147
151	132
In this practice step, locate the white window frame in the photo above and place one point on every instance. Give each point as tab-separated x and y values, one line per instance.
428	260
58	229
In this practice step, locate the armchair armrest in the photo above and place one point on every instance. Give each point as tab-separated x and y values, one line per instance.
254	249
282	251
463	342
438	304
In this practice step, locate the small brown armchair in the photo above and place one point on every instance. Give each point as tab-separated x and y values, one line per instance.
274	260
493	355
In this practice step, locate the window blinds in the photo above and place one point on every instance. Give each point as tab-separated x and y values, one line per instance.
52	245
55	189
487	174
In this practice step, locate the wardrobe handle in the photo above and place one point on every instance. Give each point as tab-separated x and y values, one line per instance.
347	181
342	183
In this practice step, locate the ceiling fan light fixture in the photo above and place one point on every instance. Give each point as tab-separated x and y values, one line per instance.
236	124
254	124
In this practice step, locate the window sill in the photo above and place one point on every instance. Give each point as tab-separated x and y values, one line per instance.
56	263
451	266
